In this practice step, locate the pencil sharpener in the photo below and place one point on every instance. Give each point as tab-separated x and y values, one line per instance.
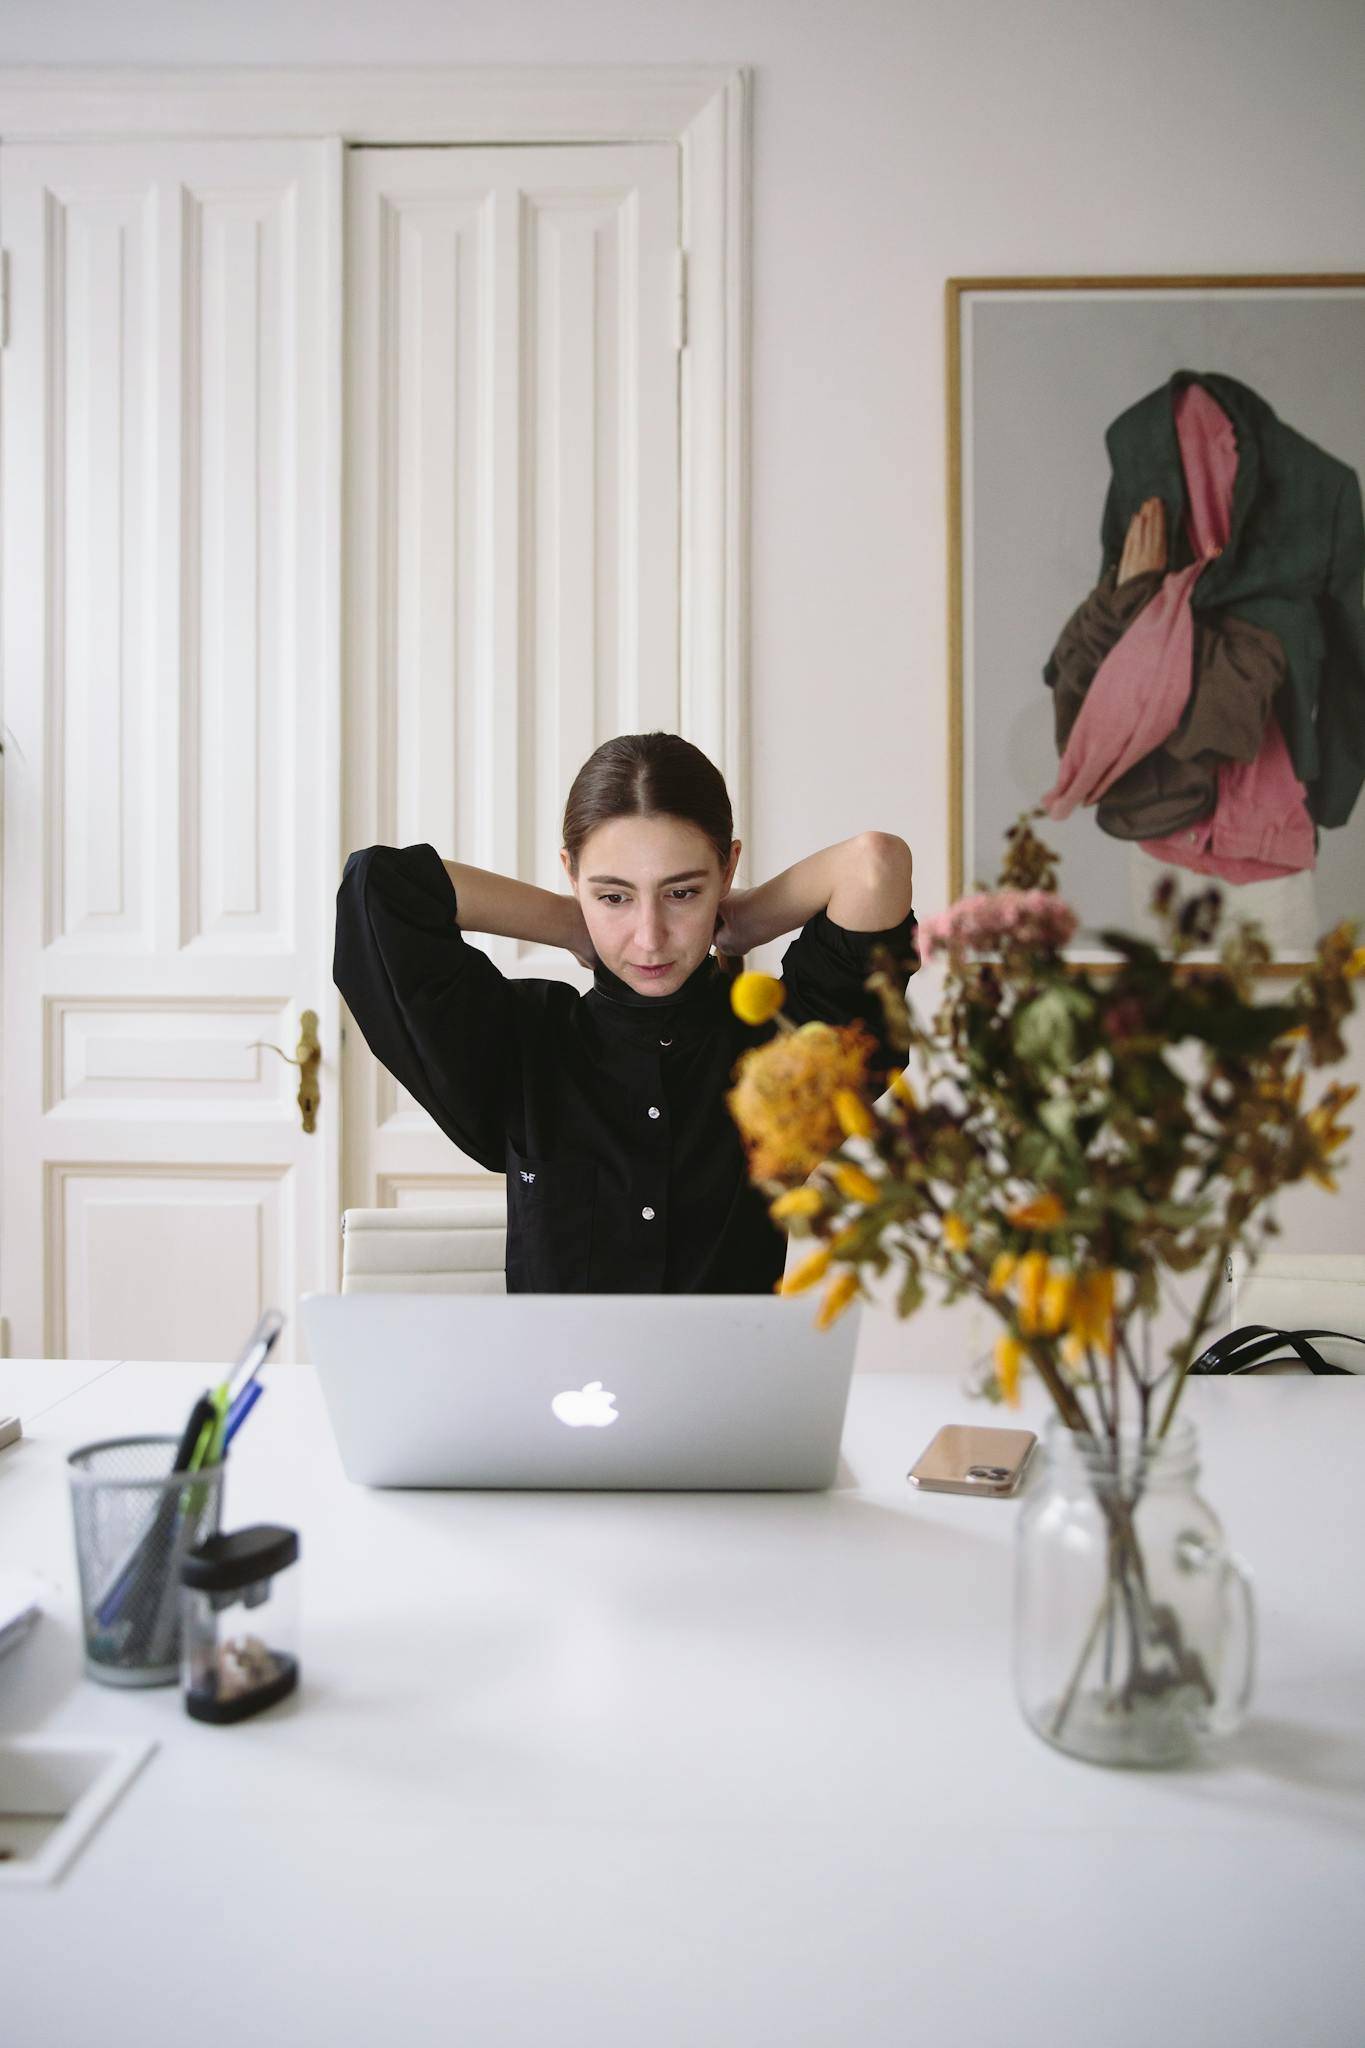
239	1622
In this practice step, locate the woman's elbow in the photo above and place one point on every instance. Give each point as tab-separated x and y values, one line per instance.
889	854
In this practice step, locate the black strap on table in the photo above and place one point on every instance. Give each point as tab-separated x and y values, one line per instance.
1256	1344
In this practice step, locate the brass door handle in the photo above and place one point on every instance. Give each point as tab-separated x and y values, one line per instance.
308	1060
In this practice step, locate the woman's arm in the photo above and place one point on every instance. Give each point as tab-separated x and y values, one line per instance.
435	1011
518	910
864	884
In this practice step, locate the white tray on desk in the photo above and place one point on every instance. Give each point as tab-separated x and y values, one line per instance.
53	1795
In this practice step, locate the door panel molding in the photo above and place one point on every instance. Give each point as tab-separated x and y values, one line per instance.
705	109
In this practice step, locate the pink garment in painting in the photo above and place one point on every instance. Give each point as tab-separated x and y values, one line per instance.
1260	825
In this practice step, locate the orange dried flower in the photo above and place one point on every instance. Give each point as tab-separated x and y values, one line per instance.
1043	1212
1092	1310
1033	1270
783	1097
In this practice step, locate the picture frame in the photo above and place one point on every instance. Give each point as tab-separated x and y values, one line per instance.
1039	369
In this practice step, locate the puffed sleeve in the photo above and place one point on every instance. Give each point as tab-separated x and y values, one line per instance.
824	969
433	1009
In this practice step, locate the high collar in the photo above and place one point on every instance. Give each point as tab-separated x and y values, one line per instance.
620	1008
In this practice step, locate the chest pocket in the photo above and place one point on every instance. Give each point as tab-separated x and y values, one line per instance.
550	1205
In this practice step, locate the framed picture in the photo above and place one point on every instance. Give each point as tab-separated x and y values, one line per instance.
1156	626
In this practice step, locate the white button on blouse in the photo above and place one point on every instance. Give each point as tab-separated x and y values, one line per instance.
654	1112
648	1215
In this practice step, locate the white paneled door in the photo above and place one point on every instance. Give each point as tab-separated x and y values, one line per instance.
231	655
514	326
171	500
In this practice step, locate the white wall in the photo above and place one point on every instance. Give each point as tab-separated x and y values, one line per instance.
894	146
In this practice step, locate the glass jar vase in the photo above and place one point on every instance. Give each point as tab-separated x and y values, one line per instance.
1134	1627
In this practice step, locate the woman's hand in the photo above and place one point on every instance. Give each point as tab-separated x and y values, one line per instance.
734	933
576	938
1145	547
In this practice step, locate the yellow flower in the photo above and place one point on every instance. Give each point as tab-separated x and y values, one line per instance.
1002	1271
1033	1271
898	1085
842	1239
1058	1295
796	1202
1044	1212
956	1232
755	998
1092	1310
1009	1355
855	1118
840	1293
811	1269
1356	964
1073	1350
1321	1119
854	1183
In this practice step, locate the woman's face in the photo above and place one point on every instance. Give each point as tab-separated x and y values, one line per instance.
649	890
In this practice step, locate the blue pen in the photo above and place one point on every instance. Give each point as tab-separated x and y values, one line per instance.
240	1409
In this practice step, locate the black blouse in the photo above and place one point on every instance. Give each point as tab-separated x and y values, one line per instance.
626	1173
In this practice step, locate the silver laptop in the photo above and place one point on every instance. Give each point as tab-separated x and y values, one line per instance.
700	1391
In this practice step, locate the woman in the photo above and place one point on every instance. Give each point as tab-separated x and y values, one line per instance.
606	1111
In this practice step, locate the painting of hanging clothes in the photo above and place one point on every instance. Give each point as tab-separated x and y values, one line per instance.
1160	634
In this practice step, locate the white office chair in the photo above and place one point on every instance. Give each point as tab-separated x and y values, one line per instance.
1305	1291
458	1248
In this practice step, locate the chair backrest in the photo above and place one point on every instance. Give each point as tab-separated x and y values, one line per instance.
1305	1291
458	1248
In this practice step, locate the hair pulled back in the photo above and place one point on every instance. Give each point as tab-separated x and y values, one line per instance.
648	775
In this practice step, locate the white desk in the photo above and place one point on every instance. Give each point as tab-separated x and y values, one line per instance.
649	1770
30	1386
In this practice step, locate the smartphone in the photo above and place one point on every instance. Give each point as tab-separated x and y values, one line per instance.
965	1459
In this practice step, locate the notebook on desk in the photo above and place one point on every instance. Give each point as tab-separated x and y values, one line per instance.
643	1391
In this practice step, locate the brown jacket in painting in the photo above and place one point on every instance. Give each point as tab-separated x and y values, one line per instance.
1236	669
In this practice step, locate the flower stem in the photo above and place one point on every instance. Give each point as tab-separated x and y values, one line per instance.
1202	1316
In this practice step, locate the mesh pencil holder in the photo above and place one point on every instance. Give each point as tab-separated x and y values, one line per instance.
135	1522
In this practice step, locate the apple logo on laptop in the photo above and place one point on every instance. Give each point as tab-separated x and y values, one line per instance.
591	1407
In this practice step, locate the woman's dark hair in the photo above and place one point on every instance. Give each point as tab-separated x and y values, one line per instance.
648	775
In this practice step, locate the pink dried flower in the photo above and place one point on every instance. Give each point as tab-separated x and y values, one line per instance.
1033	919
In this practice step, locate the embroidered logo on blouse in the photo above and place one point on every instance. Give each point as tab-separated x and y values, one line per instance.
525	1175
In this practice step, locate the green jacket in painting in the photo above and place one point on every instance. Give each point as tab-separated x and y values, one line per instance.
1293	564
